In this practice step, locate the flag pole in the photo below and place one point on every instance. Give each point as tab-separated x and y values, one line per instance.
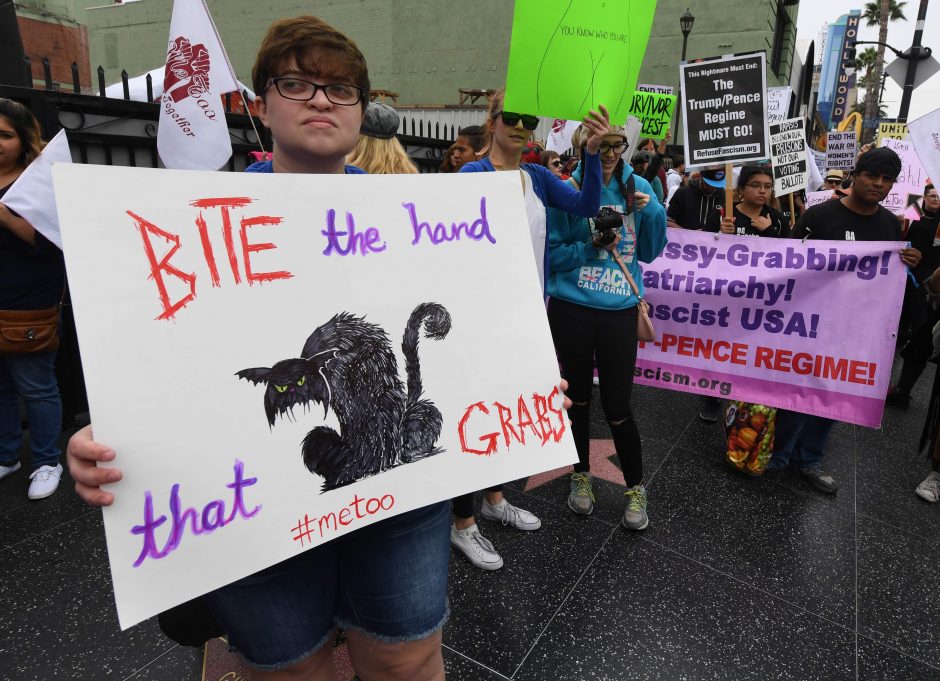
251	118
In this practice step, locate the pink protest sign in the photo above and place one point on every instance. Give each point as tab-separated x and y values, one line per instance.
807	326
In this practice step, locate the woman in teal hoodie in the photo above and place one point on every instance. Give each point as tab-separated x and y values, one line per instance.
593	313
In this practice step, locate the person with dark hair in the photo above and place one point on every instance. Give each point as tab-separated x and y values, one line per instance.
552	161
593	309
800	439
695	202
469	143
753	216
929	488
655	173
675	175
32	277
918	313
385	584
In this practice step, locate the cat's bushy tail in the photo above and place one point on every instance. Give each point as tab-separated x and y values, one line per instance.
436	320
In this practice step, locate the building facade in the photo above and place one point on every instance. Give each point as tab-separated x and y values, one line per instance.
426	52
837	88
50	30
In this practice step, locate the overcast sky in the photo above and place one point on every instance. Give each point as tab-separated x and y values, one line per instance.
814	14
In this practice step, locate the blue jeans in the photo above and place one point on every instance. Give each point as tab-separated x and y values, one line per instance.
799	439
387	580
31	376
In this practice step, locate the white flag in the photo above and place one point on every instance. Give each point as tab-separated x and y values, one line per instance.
193	133
31	196
925	134
559	139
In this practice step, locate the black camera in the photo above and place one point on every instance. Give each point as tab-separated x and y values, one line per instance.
607	224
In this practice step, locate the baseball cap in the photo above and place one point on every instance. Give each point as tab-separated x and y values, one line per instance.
714	177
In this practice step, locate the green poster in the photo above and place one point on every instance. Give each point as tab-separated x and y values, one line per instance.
654	111
569	56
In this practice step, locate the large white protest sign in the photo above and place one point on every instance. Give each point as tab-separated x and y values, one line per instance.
788	156
925	135
911	180
724	107
778	103
840	150
278	360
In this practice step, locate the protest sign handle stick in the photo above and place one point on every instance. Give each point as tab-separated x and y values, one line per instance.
792	212
251	118
729	190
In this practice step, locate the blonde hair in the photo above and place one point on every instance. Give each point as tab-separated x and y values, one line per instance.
381	157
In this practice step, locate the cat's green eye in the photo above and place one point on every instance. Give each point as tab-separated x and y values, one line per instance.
302	380
281	388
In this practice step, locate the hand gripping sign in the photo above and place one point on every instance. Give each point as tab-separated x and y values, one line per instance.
293	363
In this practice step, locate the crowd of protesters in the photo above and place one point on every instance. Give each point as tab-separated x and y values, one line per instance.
606	207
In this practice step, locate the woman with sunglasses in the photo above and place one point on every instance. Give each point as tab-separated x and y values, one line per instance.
593	312
753	216
552	161
509	133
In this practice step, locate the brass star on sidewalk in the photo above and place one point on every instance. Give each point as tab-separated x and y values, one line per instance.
601	467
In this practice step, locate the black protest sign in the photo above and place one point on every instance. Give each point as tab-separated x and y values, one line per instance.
725	107
788	156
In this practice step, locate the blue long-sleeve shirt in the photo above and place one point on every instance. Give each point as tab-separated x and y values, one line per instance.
579	273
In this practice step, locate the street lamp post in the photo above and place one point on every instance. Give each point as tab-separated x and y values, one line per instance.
685	23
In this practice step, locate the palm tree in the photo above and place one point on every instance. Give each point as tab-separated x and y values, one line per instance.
862	104
879	14
865	63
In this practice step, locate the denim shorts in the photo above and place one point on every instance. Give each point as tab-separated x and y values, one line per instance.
387	580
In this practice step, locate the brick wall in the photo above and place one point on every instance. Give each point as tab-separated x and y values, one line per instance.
63	43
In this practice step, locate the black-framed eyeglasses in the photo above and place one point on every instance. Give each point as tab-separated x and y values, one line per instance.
555	163
617	147
511	119
301	90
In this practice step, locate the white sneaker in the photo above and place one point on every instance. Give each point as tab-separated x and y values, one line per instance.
9	470
477	548
929	489
596	381
510	515
45	481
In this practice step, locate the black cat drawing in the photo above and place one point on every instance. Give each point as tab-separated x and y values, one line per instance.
347	365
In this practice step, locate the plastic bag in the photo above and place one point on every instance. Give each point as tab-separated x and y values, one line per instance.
749	432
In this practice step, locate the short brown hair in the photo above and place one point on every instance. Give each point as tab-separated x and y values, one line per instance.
315	47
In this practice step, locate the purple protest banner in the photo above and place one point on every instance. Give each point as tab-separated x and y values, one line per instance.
806	326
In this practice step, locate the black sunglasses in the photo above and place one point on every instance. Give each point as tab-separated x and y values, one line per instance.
556	163
511	119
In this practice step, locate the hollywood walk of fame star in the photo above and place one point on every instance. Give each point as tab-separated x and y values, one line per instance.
601	467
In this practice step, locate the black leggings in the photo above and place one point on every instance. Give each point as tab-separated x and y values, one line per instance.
582	336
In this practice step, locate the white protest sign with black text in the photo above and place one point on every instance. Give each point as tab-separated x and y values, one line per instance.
724	108
788	156
840	150
278	360
778	103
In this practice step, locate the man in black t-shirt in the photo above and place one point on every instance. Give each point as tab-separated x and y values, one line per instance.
800	439
693	204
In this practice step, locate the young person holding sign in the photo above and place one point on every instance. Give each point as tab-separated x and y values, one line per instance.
386	584
800	440
509	132
753	216
593	313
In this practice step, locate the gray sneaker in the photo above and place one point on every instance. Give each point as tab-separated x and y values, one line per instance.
477	548
581	498
819	479
634	515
